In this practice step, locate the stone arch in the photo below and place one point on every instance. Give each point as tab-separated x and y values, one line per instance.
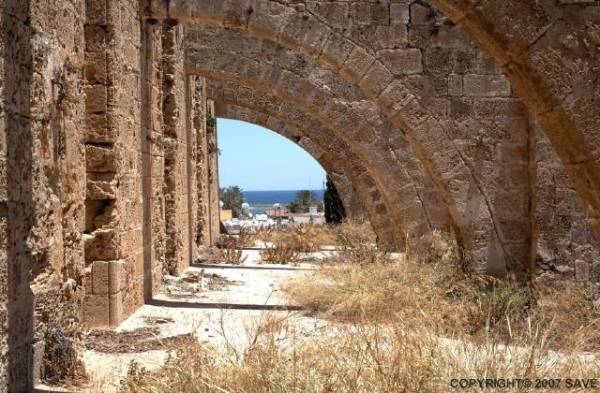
350	200
281	116
354	113
549	52
496	242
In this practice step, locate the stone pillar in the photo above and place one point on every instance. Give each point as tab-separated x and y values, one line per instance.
564	245
16	197
153	159
199	123
213	173
114	252
175	138
192	167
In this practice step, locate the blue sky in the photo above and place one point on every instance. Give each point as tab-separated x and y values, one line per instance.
258	159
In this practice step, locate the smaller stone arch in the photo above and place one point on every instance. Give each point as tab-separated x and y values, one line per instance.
365	187
351	201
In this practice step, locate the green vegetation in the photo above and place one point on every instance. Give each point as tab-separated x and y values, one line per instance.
304	200
232	198
334	208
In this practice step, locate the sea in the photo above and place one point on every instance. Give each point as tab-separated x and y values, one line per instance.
261	200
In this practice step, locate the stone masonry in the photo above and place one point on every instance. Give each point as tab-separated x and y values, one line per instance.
474	118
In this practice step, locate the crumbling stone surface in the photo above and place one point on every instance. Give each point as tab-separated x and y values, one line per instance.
476	119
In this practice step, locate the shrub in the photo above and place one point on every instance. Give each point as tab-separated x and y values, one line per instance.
279	253
230	250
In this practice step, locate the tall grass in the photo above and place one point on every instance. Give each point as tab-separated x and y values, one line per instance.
409	326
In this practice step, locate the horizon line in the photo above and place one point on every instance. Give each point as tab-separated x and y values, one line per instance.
293	189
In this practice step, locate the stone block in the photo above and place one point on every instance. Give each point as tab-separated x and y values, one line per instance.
38	361
336	14
102	245
96	12
420	14
399	14
95	98
100	278
101	189
100	158
376	79
402	61
96	311
336	50
357	64
97	130
455	85
582	270
396	95
486	85
116	315
499	107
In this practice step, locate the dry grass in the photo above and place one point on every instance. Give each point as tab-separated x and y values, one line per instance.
301	238
407	326
465	305
386	358
279	253
230	250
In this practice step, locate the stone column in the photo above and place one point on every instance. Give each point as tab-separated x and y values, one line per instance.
176	186
114	251
199	123
17	207
213	172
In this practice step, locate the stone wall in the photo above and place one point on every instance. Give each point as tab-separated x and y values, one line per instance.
212	152
198	117
108	159
564	241
88	119
16	197
114	207
175	141
450	101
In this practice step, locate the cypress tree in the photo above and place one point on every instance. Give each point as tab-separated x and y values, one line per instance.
334	208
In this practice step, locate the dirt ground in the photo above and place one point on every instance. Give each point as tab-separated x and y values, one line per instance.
217	304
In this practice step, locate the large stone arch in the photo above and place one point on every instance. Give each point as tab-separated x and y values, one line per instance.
342	181
387	77
397	171
549	52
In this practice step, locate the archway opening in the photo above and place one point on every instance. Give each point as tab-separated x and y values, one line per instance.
269	168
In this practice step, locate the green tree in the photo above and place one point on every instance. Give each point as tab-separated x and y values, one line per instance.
232	198
334	208
304	200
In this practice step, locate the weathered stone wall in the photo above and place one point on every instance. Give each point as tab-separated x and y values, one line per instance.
108	159
565	245
175	140
401	187
452	102
212	150
199	123
16	197
114	206
153	165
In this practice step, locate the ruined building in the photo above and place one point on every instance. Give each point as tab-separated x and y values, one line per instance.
478	118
